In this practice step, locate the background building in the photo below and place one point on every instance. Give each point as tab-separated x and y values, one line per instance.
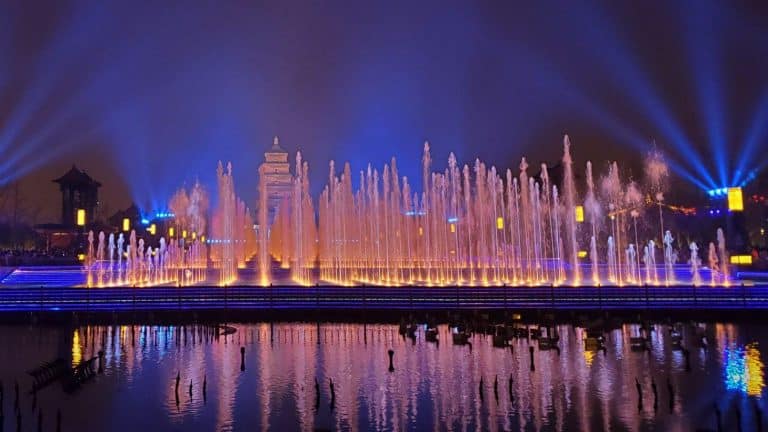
78	191
277	171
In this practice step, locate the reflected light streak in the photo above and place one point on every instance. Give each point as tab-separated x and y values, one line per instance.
743	370
77	353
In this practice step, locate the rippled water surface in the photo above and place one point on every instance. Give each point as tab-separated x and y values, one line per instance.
433	387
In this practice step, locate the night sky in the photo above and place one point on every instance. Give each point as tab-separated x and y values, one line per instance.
148	95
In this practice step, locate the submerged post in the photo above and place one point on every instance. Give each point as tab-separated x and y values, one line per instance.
533	365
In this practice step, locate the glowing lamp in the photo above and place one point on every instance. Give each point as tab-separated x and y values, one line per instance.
579	214
81	257
80	217
126	224
421	231
202	239
741	259
152	229
184	234
171	232
735	199
194	235
582	254
453	228
499	223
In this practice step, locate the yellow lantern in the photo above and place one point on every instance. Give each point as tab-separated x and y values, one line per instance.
735	199
579	214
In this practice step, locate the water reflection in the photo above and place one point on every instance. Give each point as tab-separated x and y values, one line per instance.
744	370
434	385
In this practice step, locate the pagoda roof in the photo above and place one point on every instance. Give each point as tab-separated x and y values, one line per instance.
77	177
276	147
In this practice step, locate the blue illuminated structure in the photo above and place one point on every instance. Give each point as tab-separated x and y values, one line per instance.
718	192
45	299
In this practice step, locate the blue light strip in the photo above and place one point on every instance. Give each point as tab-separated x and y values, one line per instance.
30	299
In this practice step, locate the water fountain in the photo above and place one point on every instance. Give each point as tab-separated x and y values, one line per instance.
723	257
714	269
695	263
669	258
469	225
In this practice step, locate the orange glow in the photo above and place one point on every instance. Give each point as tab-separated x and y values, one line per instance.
453	228
171	232
499	223
126	224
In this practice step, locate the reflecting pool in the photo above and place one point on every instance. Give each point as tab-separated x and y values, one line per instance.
573	384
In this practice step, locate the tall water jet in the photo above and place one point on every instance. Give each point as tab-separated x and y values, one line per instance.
669	258
525	213
264	271
570	210
657	176
723	256
557	240
652	261
631	260
224	225
713	263
594	260
89	260
647	260
695	263
111	249
120	243
611	186
131	262
100	258
611	259
634	202
592	207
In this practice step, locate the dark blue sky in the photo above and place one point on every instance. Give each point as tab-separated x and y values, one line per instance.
147	95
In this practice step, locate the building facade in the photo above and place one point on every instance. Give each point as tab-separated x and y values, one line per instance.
278	177
78	191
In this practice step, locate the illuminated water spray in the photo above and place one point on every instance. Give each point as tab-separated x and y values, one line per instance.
470	225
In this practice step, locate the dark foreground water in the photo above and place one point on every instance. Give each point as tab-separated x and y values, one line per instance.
433	387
